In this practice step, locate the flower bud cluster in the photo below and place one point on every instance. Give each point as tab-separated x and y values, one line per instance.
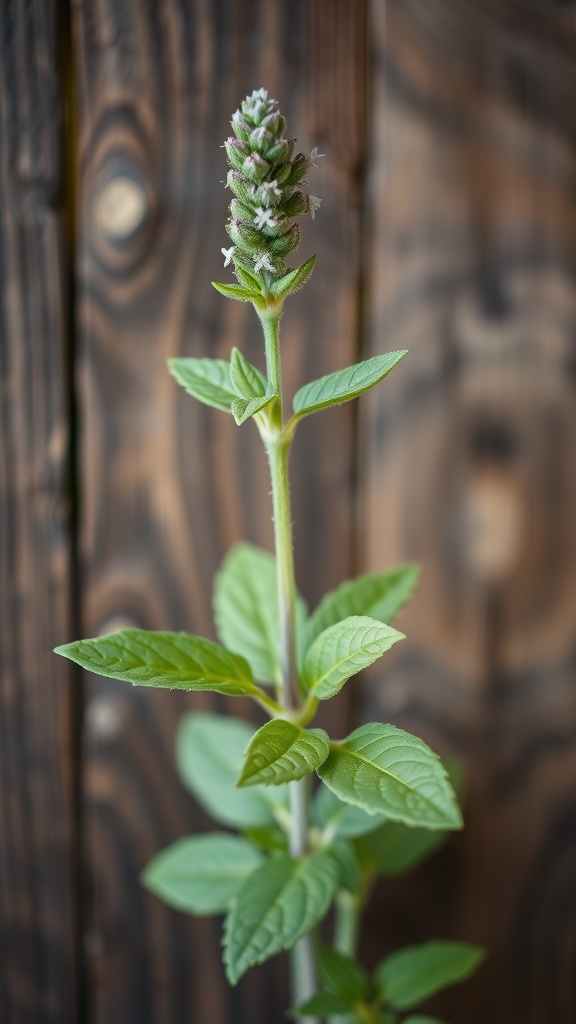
267	184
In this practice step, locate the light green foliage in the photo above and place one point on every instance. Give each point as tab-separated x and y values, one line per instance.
387	771
344	385
277	904
379	595
394	848
235	291
202	874
349	871
209	754
293	280
247	380
341	974
246	609
207	380
411	975
176	661
282	752
243	409
343	819
343	650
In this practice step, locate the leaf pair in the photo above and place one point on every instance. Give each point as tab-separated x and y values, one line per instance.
250	289
401	981
246	614
236	387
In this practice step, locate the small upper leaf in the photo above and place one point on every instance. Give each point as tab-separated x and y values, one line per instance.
246	609
209	754
293	280
325	1004
379	595
282	752
201	874
279	903
410	975
247	379
172	660
343	650
387	771
243	409
208	380
344	385
235	291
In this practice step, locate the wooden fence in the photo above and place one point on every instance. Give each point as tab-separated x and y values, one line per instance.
448	226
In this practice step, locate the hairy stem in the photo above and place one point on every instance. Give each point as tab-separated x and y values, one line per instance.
278	448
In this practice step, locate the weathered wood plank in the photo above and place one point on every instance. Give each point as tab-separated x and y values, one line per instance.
38	982
470	470
169	485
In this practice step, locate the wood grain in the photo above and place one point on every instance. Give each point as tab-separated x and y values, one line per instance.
39	973
167	484
469	469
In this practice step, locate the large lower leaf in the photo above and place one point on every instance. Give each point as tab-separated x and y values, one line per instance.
208	380
176	661
202	874
411	975
246	609
379	595
279	903
343	650
282	752
209	753
343	385
387	771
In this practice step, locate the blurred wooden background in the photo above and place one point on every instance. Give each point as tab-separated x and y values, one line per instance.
448	227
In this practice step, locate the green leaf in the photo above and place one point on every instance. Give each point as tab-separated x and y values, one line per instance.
324	1004
246	609
270	838
282	752
209	754
201	874
246	277
279	903
394	848
387	771
246	379
379	595
344	385
208	380
173	660
235	291
343	650
293	280
342	819
242	409
349	873
342	975
411	975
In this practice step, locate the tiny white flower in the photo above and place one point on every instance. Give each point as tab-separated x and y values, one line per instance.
263	261
270	188
264	218
227	255
314	156
315	204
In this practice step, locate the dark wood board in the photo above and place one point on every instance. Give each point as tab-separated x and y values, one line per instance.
468	467
38	948
167	484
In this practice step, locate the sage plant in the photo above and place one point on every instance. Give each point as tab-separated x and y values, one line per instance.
384	798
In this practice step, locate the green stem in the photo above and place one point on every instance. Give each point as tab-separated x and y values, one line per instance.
347	923
303	961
